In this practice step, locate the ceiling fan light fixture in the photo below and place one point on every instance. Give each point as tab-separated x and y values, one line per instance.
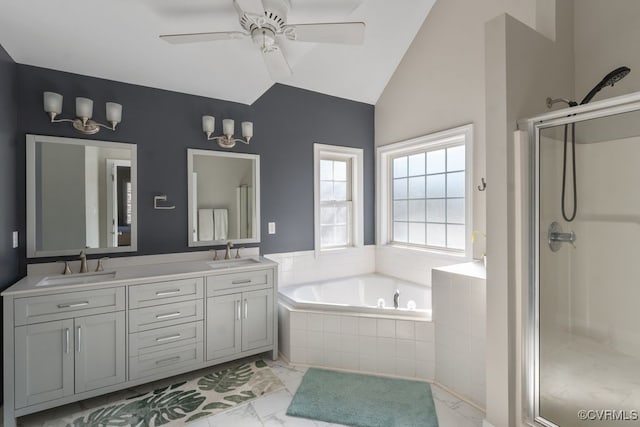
264	38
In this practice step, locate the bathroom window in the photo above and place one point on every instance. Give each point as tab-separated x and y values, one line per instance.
338	197
424	197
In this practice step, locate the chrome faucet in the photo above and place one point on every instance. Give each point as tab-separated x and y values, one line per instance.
83	263
227	254
396	299
100	266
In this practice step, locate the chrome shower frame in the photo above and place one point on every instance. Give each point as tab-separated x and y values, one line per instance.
531	325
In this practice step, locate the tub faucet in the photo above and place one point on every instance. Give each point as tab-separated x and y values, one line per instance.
396	299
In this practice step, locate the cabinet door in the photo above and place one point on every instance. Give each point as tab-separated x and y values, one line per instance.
43	362
257	322
223	326
99	351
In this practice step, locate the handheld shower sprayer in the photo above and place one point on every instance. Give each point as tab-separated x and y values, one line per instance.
609	80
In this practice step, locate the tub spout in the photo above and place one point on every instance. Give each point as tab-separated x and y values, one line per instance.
396	299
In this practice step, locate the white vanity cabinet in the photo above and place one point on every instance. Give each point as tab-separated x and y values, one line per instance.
74	353
240	314
64	344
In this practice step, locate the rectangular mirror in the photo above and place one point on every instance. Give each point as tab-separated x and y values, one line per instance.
81	195
224	197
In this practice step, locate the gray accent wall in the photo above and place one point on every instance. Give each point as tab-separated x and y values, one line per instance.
9	257
163	124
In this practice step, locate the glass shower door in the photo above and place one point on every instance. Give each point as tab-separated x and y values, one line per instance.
588	273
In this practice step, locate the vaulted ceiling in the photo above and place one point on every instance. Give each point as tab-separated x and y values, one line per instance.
118	40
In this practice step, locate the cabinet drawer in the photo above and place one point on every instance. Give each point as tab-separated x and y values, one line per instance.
141	343
72	304
151	294
160	316
162	362
258	278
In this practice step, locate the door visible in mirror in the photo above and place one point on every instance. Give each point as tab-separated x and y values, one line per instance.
80	196
224	199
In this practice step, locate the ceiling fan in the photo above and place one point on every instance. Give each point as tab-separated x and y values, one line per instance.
265	22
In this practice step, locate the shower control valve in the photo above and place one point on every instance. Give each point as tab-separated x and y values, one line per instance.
556	237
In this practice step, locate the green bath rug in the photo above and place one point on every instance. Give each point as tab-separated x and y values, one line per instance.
363	400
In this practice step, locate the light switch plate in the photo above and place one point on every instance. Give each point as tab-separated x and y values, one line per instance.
15	239
272	228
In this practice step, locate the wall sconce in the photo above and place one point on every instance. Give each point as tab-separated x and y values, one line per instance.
84	112
228	126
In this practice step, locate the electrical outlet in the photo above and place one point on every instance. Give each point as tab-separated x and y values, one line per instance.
272	228
15	239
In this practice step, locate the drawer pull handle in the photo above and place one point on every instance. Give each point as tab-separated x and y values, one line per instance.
238	309
168	315
73	304
79	338
241	282
172	337
165	293
169	360
246	308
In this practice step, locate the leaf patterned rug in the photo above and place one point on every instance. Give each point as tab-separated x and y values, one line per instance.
185	401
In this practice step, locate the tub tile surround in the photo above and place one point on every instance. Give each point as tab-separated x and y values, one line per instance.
303	267
360	343
459	317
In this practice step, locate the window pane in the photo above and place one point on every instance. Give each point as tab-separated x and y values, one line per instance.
326	190
436	235
327	236
416	164
435	161
455	158
435	210
455	211
455	184
341	215
341	235
326	170
399	189
416	210
455	236
435	186
340	190
327	215
416	233
400	211
417	187
339	171
400	231
400	167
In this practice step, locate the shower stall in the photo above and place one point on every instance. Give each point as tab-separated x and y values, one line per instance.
582	315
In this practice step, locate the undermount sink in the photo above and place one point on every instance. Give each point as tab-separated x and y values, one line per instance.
75	279
230	263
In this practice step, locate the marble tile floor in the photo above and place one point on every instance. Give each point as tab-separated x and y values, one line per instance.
270	410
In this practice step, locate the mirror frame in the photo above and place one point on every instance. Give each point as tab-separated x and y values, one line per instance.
191	152
31	140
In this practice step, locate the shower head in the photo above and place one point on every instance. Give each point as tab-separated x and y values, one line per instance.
609	80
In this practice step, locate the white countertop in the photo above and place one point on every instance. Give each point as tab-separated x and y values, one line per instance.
473	269
135	274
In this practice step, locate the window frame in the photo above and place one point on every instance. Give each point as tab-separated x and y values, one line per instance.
356	212
434	141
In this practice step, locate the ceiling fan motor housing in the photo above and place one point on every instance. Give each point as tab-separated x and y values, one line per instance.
275	17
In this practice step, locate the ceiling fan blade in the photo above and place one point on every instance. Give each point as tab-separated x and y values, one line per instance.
277	64
202	37
251	7
337	32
